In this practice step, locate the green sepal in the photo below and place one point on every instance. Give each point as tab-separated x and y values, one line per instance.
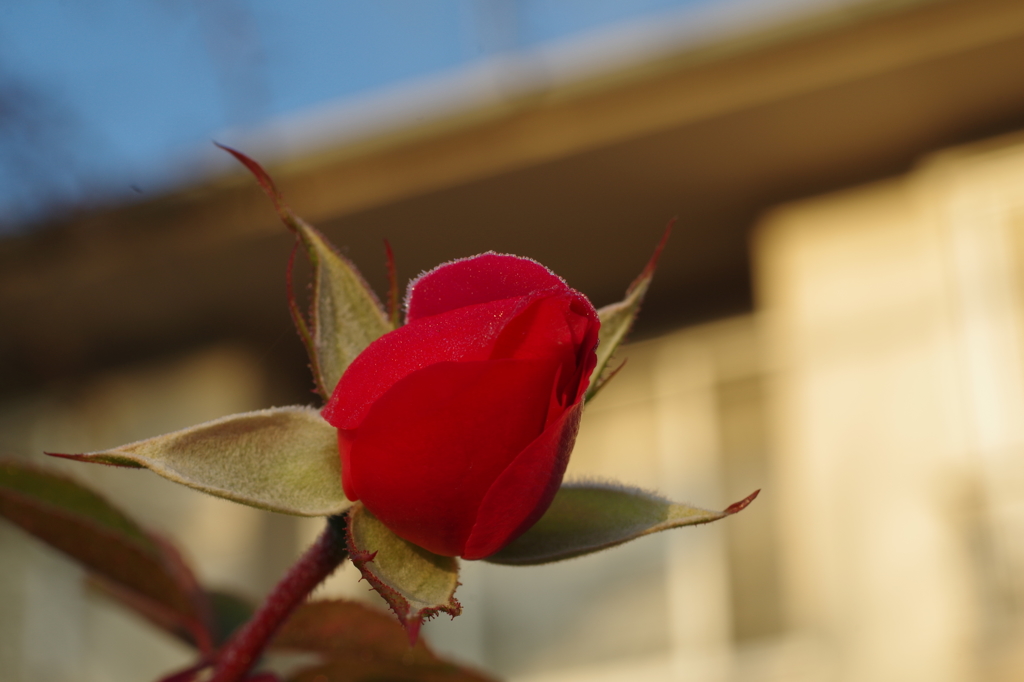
140	570
345	314
283	459
617	319
589	517
416	584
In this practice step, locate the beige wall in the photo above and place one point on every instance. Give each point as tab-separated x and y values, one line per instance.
894	320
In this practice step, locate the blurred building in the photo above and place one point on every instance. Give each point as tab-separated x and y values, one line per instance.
837	320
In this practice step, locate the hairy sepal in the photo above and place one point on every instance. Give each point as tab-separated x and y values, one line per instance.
589	517
345	315
617	319
140	570
283	459
416	584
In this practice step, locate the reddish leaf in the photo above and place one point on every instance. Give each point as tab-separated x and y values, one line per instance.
146	572
228	612
189	674
361	643
157	614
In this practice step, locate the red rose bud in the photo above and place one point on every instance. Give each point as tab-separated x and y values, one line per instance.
455	429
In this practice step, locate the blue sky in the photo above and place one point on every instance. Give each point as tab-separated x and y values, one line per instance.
106	99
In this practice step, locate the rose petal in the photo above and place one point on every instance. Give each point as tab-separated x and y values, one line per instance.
524	491
460	336
541	330
480	279
431	447
587	329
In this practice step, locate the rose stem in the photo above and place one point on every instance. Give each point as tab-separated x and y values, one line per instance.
319	561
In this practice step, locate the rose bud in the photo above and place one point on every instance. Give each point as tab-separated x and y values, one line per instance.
455	429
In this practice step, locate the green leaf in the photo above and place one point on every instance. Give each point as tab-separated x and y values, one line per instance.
617	319
284	459
345	316
589	517
358	642
145	572
417	584
229	612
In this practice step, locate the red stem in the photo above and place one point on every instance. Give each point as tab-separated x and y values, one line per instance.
244	649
